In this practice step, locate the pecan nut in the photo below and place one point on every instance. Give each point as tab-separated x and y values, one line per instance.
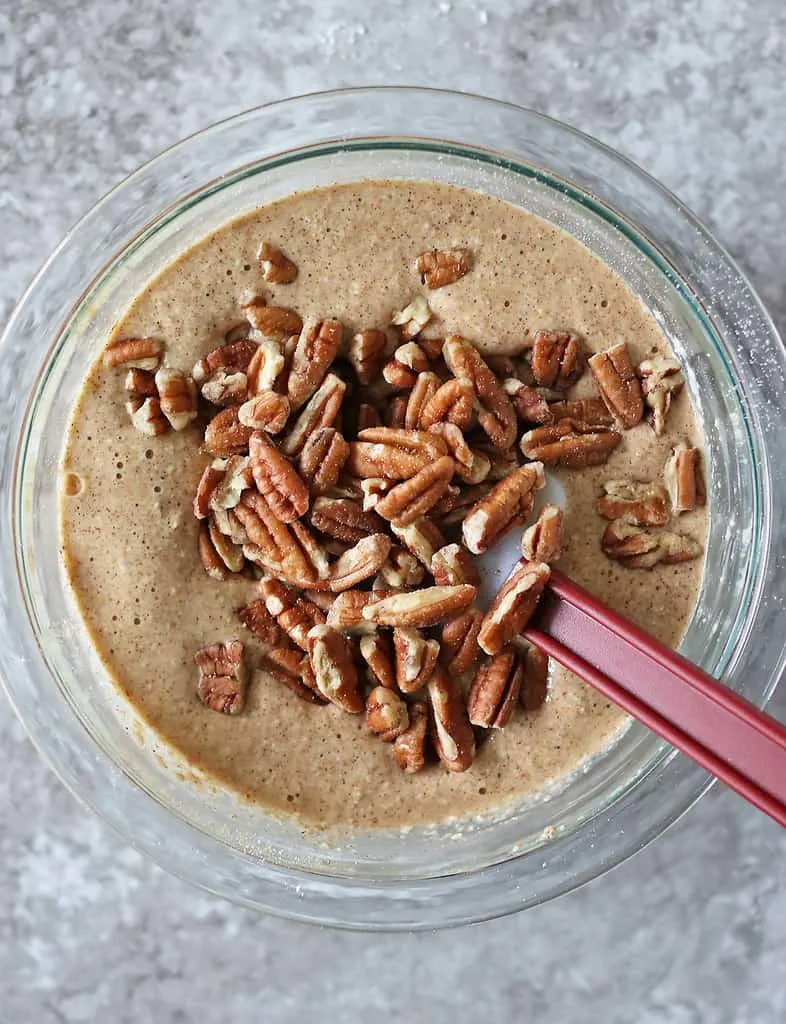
323	458
346	612
295	615
618	385
535	679
684	479
265	367
402	570
225	389
467	498
457	446
495	690
638	548
141	383
442	266
361	562
367	354
218	554
409	748
644	504
225	434
316	349
530	405
454	739
415	658
459	642
277	479
451	403
413	318
542	542
509	503
292	668
275	322
514	605
426	607
266	411
344	519
408	361
334	669
375	649
452	565
262	624
288	550
232	358
661	380
320	411
585	410
212	476
276	267
367	416
425	387
494	411
557	359
396	412
393	453
413	498
146	416
570	443
386	713
223	677
142	353
235	479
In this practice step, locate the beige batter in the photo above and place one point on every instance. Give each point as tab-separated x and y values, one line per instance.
130	537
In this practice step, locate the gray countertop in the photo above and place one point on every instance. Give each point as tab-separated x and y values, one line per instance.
692	930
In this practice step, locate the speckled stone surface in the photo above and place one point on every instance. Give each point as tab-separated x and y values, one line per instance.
693	930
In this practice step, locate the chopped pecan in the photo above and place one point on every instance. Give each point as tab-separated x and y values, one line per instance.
291	667
276	267
222	677
402	570
409	749
266	411
644	504
141	383
360	563
288	550
412	498
265	366
320	411
344	519
570	443
225	389
661	380
442	266
225	434
334	669
367	354
415	658
262	624
147	417
413	318
376	651
422	538
542	542
639	548
459	640
684	479
408	361
277	479
425	607
495	690
557	359
468	498
529	403
618	385
453	737
323	458
535	679
346	612
142	353
508	504
232	358
495	413
585	410
451	403
295	615
386	713
316	349
392	453
452	565
212	476
513	606
367	416
275	322
425	387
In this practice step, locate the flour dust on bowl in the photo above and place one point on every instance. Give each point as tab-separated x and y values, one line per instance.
291	806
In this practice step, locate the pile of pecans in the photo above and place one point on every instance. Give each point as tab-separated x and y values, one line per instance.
356	478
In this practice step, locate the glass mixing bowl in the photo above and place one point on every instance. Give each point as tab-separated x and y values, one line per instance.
446	874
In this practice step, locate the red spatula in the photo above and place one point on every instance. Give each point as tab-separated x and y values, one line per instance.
720	730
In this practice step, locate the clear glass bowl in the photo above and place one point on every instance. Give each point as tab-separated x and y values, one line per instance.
443	875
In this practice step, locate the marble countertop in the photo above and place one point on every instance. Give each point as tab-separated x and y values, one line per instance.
692	930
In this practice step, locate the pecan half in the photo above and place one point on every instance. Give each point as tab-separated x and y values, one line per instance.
453	565
392	453
142	353
275	322
459	642
375	649
360	563
211	477
661	381
508	504
316	349
529	403
276	267
478	470
442	266
265	366
344	519
415	658
425	387
367	354
453	737
413	498
225	389
535	679
222	677
232	358
288	550
292	668
639	548
422	538
334	669
225	434
277	479
147	417
684	479
457	446
218	554
413	318
346	612
409	749
495	413
295	615
570	443
618	385
585	410
141	383
513	606
468	497
542	542
495	690
320	411
266	411
644	504
402	570
236	478
450	403
425	607
262	624
323	458
408	361
557	359
386	713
